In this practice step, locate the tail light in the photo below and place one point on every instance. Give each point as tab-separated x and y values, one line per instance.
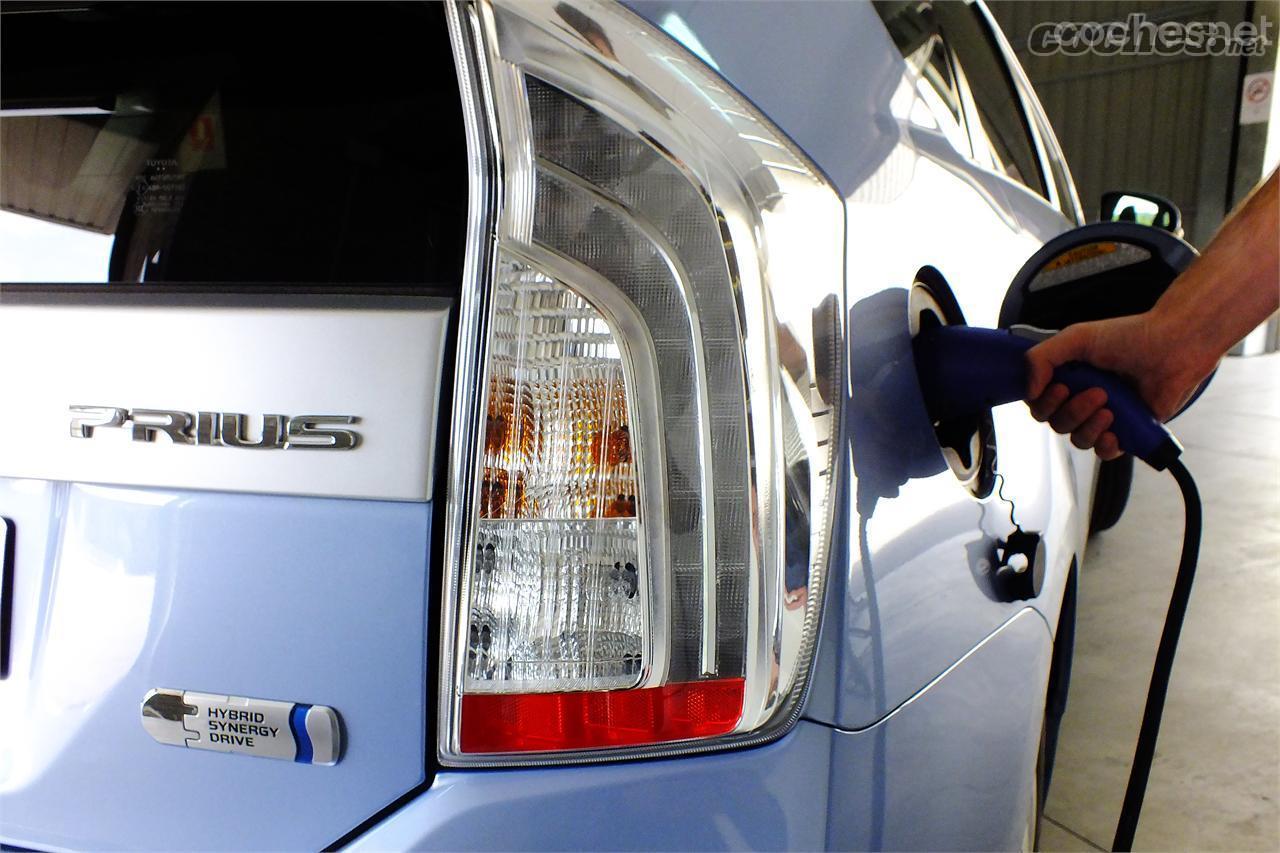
641	472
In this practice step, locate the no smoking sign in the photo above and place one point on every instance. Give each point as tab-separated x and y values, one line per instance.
1255	97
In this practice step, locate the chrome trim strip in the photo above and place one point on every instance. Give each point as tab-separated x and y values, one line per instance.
468	380
7	554
515	132
1024	93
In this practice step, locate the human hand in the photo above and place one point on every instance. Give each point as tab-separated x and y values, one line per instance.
1167	352
1161	366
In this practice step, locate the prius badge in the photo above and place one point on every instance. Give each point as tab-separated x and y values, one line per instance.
226	429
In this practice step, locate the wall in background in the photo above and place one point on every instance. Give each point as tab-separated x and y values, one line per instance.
1164	124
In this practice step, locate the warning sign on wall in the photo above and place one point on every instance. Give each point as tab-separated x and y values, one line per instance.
1255	97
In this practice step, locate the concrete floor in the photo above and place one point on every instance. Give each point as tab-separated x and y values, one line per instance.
1215	784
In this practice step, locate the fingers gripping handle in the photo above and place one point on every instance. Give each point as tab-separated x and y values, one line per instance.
963	370
1138	431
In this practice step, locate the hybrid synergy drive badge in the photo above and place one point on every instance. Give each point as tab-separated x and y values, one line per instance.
308	734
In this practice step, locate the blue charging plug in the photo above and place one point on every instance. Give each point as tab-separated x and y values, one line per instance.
963	370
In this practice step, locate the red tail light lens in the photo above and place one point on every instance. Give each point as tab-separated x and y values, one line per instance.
541	722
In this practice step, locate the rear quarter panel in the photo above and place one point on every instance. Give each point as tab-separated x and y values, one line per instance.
830	77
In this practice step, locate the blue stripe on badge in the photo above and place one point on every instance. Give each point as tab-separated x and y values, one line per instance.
298	725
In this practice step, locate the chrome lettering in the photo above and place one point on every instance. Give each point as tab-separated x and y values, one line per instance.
235	431
84	419
207	428
304	433
225	429
148	422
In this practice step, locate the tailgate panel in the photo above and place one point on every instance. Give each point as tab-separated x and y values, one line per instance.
374	358
203	566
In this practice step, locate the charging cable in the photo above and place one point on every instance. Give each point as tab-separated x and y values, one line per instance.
1146	750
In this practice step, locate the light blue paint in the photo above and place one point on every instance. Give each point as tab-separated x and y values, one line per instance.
121	590
771	798
823	71
947	770
954	767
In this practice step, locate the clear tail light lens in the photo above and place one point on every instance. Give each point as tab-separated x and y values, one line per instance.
556	600
641	470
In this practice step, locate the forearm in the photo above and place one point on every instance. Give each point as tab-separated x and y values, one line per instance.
1232	288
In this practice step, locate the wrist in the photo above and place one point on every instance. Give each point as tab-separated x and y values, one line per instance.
1186	335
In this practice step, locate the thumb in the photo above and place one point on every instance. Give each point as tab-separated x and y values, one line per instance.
1071	344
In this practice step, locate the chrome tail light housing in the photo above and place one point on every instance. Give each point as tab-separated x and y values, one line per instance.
646	399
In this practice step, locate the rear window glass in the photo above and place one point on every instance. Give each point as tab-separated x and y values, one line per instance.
231	143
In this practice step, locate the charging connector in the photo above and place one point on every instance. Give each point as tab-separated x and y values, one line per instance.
966	369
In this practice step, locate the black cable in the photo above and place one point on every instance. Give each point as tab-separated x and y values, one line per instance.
1160	673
